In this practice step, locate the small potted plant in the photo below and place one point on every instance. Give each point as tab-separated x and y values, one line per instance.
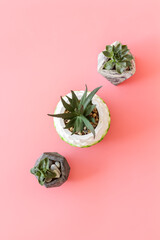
116	63
81	118
51	169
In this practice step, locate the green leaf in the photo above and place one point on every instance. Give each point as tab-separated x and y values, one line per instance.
91	119
70	123
83	98
66	105
107	54
109	65
109	48
118	47
44	165
128	57
42	171
81	111
128	64
114	48
70	100
32	170
125	52
88	125
89	109
124	47
41	179
90	96
78	124
119	68
75	100
64	115
123	64
74	130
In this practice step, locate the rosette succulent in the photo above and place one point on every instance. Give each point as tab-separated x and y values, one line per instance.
78	111
119	58
43	172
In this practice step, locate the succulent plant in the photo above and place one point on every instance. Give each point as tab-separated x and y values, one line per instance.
78	111
43	172
118	58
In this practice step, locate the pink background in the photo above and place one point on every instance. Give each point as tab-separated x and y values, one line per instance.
48	48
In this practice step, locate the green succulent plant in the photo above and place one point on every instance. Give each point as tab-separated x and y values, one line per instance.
78	111
42	171
118	58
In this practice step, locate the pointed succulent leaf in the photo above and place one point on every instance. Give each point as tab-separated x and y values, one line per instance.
66	105
89	109
78	124
88	125
75	100
90	96
91	119
83	98
81	111
74	130
64	115
70	100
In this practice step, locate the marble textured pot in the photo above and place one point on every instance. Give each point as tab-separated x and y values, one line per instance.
88	139
112	75
64	168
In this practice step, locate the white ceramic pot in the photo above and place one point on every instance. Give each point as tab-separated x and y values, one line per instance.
88	139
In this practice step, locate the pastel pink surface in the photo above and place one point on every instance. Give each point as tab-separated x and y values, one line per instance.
48	48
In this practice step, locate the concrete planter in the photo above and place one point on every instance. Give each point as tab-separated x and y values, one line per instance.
64	168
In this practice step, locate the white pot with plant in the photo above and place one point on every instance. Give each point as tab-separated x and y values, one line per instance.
116	63
82	118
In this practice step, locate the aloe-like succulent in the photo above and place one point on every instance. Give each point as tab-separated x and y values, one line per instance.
42	171
118	58
78	111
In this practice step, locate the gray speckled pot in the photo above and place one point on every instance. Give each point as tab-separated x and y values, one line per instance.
65	168
114	77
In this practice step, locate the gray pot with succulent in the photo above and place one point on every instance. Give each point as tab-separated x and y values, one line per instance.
51	169
82	118
116	63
